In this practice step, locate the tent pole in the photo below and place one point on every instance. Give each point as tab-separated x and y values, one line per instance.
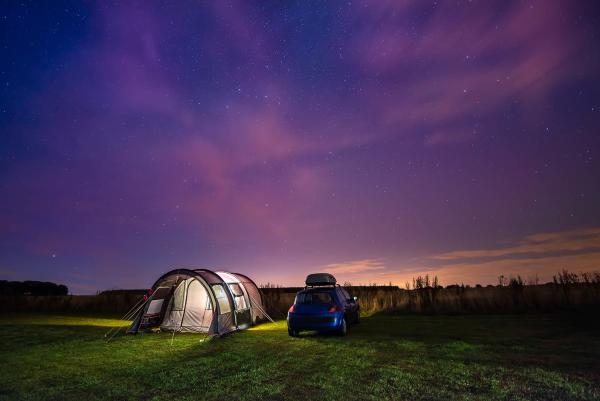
120	327
260	308
126	315
203	315
186	286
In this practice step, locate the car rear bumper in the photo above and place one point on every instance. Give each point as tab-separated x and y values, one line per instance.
324	322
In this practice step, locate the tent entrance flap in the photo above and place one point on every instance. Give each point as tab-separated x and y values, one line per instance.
243	316
190	308
155	310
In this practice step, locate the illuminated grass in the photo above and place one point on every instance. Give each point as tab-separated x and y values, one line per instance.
525	357
61	320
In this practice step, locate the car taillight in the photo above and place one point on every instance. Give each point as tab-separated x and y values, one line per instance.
334	308
291	310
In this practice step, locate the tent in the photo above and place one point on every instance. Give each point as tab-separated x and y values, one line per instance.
200	301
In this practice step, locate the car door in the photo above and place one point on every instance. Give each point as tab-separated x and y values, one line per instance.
352	307
344	301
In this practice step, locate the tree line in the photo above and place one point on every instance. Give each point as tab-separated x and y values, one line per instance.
10	288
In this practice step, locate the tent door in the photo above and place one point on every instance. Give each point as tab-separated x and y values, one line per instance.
190	308
243	316
155	310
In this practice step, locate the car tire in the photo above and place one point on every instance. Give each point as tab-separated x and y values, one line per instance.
343	328
292	333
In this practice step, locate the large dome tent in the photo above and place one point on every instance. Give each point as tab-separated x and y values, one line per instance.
200	301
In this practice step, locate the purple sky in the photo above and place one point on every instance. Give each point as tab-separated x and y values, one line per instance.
376	140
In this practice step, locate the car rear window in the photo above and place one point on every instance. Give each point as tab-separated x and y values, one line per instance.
314	298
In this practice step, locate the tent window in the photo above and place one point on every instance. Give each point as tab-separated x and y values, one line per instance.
155	306
221	298
238	296
236	289
240	303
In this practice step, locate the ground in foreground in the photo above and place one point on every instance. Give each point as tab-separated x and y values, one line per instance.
516	357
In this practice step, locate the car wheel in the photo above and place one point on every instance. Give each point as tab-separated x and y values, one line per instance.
343	328
292	333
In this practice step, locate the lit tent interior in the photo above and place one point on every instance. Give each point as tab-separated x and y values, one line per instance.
200	301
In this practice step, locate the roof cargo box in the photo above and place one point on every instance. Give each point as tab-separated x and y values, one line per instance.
320	279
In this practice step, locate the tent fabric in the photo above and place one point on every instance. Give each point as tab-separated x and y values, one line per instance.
241	302
202	301
190	308
254	296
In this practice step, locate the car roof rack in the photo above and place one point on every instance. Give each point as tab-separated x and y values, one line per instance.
312	287
320	280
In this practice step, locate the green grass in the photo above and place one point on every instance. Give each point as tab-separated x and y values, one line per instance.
502	357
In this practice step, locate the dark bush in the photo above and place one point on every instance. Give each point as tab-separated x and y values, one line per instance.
38	288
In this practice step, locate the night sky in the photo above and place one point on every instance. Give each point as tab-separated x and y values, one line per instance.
376	140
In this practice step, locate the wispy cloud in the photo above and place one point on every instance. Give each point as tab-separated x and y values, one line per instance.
543	243
539	255
479	57
355	266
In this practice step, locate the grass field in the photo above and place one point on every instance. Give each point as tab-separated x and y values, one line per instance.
500	357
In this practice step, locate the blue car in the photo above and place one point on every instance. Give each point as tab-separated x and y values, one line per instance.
322	306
